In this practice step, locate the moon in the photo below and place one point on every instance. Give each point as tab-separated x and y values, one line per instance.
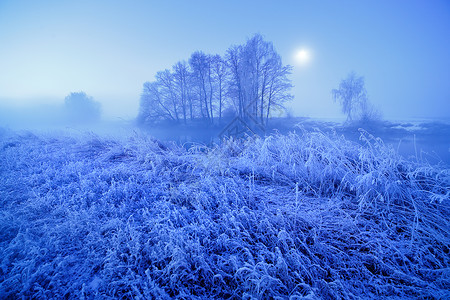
303	56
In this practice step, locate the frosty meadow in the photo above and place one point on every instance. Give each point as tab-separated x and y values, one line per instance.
302	215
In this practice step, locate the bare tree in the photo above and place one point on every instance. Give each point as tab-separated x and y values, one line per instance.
278	87
181	81
270	84
220	73
166	83
259	80
199	63
256	53
153	105
352	95
233	60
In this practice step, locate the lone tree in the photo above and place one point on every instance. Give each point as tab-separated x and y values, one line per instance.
81	108
352	95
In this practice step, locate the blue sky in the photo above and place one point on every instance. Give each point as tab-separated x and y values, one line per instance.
108	49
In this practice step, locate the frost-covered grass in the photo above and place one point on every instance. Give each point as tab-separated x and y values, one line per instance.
288	216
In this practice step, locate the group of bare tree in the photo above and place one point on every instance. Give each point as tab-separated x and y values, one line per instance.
249	81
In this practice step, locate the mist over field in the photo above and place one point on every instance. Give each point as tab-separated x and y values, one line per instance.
224	150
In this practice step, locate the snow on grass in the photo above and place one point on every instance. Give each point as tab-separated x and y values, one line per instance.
289	216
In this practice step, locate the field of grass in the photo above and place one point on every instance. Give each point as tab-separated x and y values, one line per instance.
300	215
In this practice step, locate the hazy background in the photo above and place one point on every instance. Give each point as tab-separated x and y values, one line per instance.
108	49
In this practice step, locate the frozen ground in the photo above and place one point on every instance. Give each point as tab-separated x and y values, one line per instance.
299	215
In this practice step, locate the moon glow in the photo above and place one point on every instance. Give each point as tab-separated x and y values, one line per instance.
303	56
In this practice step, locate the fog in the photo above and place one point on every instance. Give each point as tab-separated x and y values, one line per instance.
31	116
109	49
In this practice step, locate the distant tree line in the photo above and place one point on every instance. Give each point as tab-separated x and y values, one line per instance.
81	108
249	81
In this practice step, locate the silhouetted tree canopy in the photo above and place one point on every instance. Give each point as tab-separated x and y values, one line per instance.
81	108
